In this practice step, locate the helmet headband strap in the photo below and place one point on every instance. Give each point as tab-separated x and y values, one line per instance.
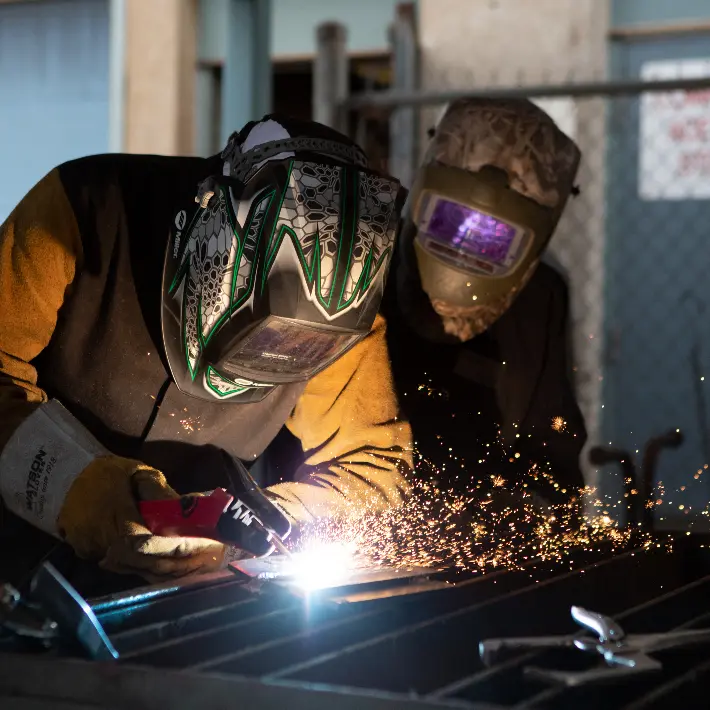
242	164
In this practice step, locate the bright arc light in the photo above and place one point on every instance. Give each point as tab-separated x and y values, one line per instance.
322	565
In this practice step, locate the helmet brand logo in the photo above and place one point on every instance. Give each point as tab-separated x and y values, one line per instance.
180	221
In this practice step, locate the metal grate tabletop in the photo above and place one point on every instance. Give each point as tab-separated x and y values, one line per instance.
425	646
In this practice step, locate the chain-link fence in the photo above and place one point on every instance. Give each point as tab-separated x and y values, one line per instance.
635	248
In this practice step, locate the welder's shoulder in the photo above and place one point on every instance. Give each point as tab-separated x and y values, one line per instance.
97	174
74	201
39	250
106	190
50	220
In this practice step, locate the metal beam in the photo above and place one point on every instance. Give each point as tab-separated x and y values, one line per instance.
403	124
330	75
117	75
591	89
35	683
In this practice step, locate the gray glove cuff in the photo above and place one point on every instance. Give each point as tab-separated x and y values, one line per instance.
40	462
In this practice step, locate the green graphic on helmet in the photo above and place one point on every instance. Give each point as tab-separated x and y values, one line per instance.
224	387
321	231
325	209
214	287
281	268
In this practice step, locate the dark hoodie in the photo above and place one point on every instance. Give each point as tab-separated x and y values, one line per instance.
493	406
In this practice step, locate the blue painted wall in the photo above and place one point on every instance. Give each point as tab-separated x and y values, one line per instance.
228	33
54	65
294	22
212	38
656	256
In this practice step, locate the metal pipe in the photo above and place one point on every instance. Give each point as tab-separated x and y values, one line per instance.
602	89
670	440
116	78
603	455
403	39
155	592
330	76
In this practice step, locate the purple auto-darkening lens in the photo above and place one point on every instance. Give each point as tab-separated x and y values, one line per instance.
470	231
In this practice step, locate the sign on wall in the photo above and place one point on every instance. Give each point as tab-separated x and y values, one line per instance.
674	134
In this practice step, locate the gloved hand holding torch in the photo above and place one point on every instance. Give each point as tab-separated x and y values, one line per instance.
198	533
101	520
124	514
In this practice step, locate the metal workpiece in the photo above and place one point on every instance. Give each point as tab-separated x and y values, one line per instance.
402	643
351	586
140	596
54	615
282	569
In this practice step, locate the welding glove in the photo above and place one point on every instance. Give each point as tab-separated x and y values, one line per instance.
100	520
157	558
115	533
55	475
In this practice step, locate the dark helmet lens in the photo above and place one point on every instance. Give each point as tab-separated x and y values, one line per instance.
288	349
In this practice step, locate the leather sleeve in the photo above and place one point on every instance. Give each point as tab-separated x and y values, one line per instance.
40	247
358	452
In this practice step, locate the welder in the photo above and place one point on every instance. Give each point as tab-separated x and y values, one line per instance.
160	316
477	323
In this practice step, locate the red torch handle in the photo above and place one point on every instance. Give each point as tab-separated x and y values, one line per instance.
189	516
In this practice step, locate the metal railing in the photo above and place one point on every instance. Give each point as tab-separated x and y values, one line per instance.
634	247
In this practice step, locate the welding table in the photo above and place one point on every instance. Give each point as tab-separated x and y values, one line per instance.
217	644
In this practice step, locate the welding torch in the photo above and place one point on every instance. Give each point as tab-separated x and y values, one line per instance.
241	516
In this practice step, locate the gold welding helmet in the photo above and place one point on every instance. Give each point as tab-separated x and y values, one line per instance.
485	202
